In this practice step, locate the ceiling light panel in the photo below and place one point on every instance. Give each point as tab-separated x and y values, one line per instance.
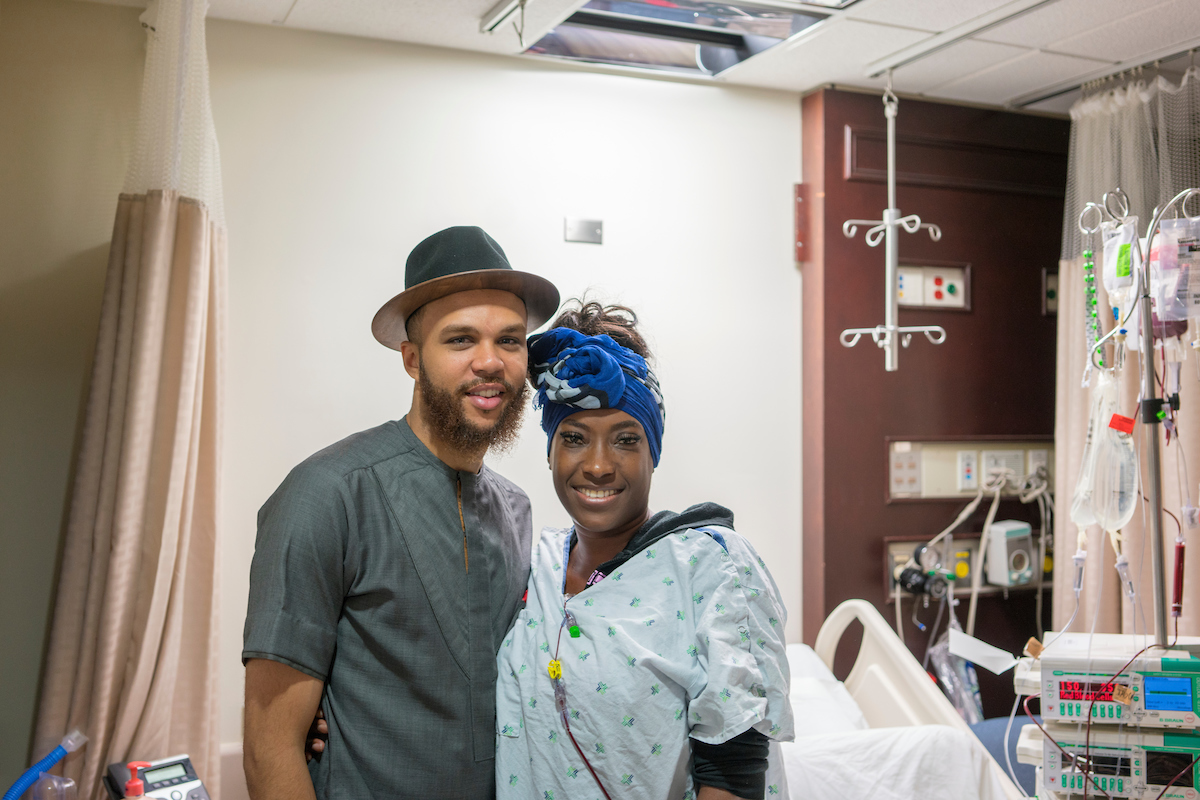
263	12
926	15
953	63
1137	33
1058	21
443	23
834	51
1014	78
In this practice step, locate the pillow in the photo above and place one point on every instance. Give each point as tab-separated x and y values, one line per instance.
818	698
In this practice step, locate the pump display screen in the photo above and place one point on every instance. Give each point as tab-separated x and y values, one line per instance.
164	774
1168	694
1162	768
1099	765
1087	692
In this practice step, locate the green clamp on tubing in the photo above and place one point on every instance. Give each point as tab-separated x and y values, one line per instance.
1153	412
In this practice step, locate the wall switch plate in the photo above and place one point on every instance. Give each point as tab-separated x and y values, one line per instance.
968	470
1049	292
910	290
1038	458
945	287
590	231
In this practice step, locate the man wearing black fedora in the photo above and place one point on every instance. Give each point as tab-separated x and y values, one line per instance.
389	566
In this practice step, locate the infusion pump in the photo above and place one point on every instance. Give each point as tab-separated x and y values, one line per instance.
1160	689
1122	763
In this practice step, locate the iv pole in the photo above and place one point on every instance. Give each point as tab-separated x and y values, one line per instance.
889	335
1151	406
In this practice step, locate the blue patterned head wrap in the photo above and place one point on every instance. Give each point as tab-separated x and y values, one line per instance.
573	372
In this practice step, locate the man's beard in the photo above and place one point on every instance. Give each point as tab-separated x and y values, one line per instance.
447	420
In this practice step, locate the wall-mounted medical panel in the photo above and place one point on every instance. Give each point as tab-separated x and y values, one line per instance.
939	286
951	468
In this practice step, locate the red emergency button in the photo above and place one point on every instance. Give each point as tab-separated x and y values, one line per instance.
937	281
938	294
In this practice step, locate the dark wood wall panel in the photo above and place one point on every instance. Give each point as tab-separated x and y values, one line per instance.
946	162
995	372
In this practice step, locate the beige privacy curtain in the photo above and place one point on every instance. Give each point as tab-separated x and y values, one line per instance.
132	660
1139	138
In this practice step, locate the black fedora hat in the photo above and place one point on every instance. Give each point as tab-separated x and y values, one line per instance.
460	259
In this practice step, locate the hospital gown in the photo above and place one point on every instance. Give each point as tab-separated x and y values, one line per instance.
684	639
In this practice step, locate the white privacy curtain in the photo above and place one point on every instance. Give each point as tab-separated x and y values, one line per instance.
1144	139
132	660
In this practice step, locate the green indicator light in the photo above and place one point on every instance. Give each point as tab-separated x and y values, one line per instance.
952	289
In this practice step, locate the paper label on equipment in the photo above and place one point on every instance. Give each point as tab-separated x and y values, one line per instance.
1124	261
1122	694
1033	648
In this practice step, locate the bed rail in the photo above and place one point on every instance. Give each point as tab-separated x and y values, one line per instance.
887	682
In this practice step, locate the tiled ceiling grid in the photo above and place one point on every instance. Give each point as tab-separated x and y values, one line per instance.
1051	47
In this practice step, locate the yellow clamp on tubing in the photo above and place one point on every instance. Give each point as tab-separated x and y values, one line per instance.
555	670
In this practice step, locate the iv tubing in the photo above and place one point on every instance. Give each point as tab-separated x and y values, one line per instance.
70	743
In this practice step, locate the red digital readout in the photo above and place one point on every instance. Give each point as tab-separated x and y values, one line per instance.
1086	692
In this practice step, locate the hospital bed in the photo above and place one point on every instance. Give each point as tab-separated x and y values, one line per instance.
887	731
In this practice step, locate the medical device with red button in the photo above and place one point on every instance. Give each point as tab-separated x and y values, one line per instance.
1159	689
172	778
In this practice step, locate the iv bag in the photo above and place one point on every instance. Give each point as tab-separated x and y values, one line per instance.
1116	478
1119	255
1179	295
1104	405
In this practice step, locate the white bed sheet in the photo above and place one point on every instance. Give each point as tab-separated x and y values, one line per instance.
930	762
837	756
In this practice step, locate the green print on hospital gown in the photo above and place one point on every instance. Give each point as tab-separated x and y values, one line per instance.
773	789
627	721
533	702
588	601
725	695
679	615
612	631
668	582
553	737
655	689
630	660
600	748
656	750
697	599
512	780
692	651
635	602
572	772
544	647
627	779
602	688
650	554
693	561
678	714
583	656
548	794
720	609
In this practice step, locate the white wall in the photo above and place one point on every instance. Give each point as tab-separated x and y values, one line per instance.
340	154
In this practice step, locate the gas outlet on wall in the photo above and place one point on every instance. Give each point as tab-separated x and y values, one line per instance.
968	470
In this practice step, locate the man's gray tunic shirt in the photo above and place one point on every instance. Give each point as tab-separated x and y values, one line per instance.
358	579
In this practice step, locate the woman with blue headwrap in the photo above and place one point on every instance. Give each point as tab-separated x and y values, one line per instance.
649	659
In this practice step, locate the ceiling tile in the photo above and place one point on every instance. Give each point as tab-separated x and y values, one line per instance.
1061	20
443	23
836	51
964	58
1014	78
1137	33
927	15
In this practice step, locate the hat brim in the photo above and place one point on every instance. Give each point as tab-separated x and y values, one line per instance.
539	295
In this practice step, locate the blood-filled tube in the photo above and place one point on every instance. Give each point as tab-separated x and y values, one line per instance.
1177	595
